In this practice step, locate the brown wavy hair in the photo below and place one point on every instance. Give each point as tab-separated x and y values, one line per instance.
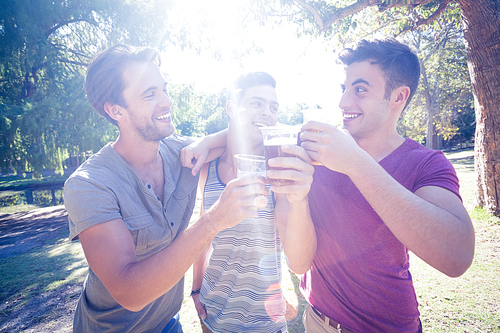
104	82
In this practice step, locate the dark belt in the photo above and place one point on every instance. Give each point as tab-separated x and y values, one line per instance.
332	322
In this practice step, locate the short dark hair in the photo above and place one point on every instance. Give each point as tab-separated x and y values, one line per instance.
104	82
249	80
399	64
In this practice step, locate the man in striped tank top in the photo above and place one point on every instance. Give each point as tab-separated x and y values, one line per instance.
237	280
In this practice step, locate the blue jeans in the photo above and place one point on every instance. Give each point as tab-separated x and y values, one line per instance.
173	326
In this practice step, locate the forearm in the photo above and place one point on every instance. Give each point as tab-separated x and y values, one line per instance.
297	234
144	281
427	225
216	140
199	267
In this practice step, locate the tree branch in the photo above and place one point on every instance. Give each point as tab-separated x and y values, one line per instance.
384	5
431	18
62	24
350	10
78	63
359	5
315	14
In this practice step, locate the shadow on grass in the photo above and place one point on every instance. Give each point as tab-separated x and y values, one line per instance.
41	272
23	231
465	161
35	283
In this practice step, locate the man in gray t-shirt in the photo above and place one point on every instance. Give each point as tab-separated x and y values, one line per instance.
130	204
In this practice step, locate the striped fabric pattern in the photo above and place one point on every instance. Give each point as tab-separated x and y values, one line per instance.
241	288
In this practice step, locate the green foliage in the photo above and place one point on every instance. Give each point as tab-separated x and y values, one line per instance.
44	49
217	121
213	112
12	200
444	96
198	114
44	113
41	198
292	115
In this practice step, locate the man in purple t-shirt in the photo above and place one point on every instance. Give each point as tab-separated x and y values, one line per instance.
375	197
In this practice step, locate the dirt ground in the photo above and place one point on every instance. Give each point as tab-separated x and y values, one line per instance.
20	233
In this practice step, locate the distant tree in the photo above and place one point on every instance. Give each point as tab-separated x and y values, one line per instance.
444	83
186	107
213	114
292	115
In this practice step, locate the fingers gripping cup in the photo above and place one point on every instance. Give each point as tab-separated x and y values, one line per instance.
252	165
320	115
276	136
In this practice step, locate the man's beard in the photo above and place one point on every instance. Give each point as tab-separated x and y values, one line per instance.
151	133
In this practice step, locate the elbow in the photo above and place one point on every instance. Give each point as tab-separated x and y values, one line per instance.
134	304
131	305
300	270
462	257
459	267
456	271
460	264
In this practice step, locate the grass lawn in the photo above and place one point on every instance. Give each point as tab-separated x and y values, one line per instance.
470	303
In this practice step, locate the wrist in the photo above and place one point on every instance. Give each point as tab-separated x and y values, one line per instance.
195	292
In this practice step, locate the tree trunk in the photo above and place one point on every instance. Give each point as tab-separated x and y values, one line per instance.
430	138
481	24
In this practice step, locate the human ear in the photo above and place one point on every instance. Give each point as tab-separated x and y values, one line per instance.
115	111
401	95
230	108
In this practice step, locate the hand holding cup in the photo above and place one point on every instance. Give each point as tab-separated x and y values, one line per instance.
252	165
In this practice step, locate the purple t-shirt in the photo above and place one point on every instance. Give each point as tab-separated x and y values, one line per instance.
359	276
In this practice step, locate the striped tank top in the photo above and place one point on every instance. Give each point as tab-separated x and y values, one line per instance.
241	289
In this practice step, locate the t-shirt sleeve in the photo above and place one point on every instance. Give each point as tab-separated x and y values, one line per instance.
88	204
437	170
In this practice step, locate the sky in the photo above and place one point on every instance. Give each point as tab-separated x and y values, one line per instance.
304	69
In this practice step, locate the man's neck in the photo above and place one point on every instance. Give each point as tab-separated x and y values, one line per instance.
138	154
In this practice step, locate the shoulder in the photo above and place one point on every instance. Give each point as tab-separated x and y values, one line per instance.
176	142
103	166
426	167
412	151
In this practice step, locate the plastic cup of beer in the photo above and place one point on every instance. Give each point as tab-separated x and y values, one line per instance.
250	165
276	136
320	115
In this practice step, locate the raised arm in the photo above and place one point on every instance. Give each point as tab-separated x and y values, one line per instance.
200	265
110	251
292	208
432	222
204	150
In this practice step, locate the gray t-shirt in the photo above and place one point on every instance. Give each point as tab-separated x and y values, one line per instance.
105	188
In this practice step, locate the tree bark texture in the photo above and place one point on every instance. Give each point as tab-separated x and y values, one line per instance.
481	22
